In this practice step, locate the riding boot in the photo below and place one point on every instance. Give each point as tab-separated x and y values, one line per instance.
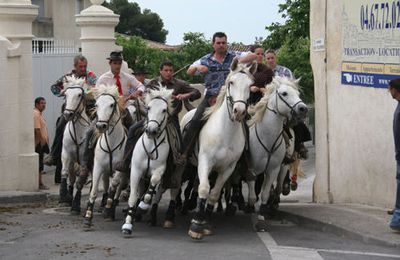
134	133
56	148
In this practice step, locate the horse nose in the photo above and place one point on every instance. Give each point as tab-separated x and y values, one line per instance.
101	126
151	132
67	115
302	110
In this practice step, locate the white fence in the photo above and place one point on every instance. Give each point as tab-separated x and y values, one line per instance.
51	46
47	68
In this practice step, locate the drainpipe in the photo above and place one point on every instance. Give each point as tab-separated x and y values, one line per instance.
328	180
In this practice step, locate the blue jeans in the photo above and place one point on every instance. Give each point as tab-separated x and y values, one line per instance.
395	222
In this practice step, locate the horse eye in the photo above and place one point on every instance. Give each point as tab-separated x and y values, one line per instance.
284	93
164	110
112	105
148	108
79	95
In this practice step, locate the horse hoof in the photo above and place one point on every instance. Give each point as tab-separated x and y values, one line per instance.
230	210
261	226
126	230
75	212
87	223
168	224
293	186
248	209
108	214
285	189
195	235
208	232
143	206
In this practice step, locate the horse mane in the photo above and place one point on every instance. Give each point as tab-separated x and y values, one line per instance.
258	110
72	81
110	90
162	92
222	92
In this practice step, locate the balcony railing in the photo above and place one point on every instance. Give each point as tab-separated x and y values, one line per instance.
52	46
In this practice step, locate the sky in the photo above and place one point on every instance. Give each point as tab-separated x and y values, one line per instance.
241	20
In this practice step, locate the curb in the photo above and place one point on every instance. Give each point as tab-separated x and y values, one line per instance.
22	197
335	229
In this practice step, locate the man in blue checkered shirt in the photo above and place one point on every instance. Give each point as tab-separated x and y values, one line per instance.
215	67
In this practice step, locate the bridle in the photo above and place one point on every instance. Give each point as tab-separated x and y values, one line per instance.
150	154
292	108
108	121
76	116
108	148
230	102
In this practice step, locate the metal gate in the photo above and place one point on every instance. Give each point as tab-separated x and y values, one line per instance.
51	60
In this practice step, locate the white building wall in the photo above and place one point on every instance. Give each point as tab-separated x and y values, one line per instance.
354	144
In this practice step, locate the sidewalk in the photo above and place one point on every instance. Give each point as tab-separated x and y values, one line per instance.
361	222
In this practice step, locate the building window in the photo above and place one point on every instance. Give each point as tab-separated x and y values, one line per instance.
78	6
39	3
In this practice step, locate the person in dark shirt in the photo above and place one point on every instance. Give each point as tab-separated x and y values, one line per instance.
394	89
262	77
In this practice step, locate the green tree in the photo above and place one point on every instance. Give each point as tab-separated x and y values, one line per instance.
292	39
147	25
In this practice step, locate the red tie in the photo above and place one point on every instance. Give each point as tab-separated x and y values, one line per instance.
118	83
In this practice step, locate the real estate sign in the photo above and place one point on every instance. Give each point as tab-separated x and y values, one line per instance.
371	42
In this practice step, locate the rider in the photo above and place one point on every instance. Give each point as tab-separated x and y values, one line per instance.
262	77
128	87
80	71
215	67
182	92
302	134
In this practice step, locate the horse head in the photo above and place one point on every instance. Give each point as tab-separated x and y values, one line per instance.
107	107
158	108
284	98
74	92
237	86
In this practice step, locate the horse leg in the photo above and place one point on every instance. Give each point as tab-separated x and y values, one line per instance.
170	214
126	229
97	174
79	184
196	230
249	208
106	185
64	199
154	207
283	183
265	193
155	179
112	199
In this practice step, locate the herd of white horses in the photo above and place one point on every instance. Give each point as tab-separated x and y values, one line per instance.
220	144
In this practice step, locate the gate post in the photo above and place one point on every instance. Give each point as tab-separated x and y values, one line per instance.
97	35
18	161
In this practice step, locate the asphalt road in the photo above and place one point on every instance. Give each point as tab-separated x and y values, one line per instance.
48	232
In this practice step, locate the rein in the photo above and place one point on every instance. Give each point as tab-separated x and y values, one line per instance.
273	148
105	134
77	115
150	155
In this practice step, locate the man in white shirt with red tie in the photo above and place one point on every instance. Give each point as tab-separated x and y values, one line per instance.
128	85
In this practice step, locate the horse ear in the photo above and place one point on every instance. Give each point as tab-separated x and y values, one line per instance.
234	64
253	67
297	81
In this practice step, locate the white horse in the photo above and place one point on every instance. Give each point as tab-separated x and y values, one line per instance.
281	102
150	153
111	143
75	91
221	141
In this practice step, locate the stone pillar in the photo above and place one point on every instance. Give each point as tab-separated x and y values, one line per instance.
18	161
97	35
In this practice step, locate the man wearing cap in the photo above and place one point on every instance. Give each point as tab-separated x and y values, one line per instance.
128	85
140	75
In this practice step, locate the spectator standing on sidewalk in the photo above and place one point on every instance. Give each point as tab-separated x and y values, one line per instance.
394	89
41	135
